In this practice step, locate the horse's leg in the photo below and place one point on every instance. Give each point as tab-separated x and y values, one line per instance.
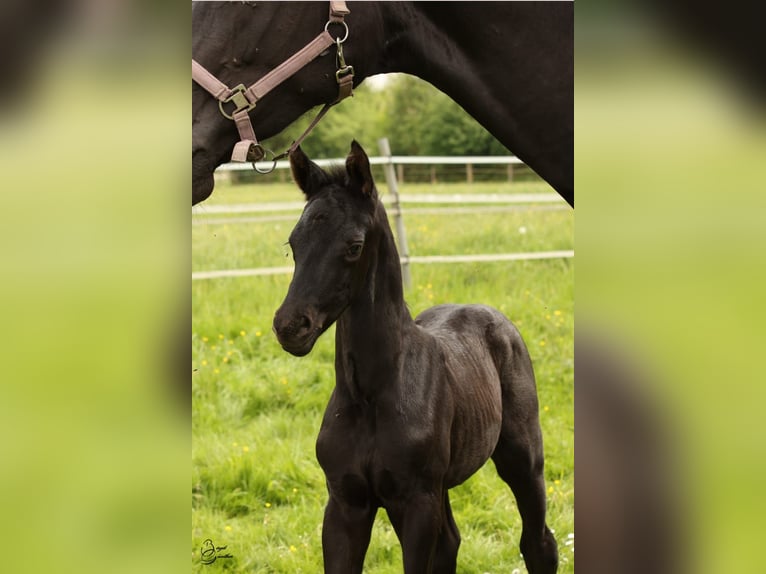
518	457
346	534
445	559
417	522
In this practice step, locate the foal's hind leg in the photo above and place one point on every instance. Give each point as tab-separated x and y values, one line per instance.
518	454
519	461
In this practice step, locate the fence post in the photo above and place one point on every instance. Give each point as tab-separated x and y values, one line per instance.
388	170
469	173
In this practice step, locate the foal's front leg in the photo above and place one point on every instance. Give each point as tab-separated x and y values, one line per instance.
345	536
417	522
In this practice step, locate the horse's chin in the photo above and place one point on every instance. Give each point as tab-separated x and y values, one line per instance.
299	349
202	187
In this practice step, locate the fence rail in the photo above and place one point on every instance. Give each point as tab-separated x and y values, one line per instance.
483	258
400	162
383	160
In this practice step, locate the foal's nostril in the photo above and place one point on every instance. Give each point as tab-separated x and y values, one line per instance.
303	323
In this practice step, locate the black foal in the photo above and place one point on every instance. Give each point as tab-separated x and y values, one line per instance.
419	405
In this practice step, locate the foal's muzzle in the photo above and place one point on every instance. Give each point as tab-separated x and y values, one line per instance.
297	329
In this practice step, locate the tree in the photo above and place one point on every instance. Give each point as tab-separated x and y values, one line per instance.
424	121
360	117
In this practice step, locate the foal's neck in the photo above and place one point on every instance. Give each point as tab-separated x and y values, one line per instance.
371	332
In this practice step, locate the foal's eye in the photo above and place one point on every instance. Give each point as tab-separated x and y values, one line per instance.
354	250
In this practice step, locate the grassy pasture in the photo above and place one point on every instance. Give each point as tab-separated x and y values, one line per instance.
256	485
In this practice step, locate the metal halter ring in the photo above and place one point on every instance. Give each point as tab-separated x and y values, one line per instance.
273	160
341	40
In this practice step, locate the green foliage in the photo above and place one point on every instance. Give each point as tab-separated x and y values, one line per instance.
424	121
360	117
415	116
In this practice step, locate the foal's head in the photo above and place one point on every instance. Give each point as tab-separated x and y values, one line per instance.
332	245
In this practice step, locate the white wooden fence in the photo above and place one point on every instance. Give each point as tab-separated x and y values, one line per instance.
395	200
395	159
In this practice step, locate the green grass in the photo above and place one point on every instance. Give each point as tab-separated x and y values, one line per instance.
256	485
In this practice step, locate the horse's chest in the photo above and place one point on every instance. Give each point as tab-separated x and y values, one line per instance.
377	456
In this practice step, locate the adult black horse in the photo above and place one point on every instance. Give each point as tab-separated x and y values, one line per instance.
508	64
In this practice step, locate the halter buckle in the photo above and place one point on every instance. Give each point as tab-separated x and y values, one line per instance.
239	99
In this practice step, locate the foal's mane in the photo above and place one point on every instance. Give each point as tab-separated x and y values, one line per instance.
338	175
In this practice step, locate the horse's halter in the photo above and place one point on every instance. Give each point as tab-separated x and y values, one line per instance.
245	99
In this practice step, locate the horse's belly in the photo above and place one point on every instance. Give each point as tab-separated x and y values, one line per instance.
475	431
470	451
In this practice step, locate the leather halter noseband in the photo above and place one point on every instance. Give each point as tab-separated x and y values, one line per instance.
245	99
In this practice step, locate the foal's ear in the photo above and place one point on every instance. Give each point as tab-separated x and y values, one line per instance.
358	169
307	175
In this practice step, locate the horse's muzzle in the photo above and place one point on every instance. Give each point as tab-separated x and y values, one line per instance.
297	330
